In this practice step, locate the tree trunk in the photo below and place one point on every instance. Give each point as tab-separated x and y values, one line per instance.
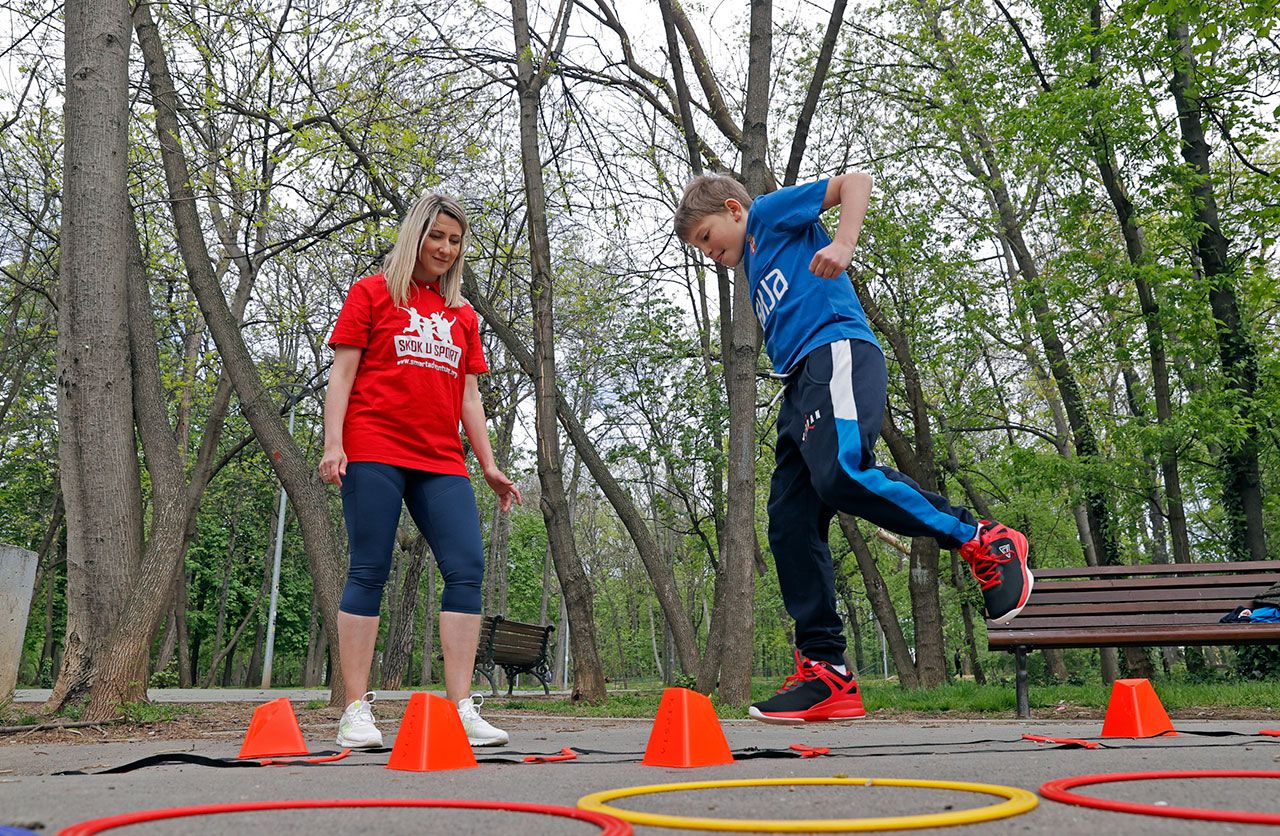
496	569
186	675
960	582
588	677
168	644
559	668
175	499
258	655
917	461
881	604
315	648
673	19
122	676
306	493
653	643
615	617
1158	549
50	601
853	625
986	170
732	632
547	577
426	675
98	462
661	575
224	589
958	577
226	652
398	649
1242	488
1104	158
1135	246
174	503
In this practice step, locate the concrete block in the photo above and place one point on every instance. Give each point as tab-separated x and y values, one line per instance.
17	578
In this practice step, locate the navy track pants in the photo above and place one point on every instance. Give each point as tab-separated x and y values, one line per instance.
830	419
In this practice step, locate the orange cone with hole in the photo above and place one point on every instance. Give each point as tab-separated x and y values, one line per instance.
1135	711
273	732
686	732
431	737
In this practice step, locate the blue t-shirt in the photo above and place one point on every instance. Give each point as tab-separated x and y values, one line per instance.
797	310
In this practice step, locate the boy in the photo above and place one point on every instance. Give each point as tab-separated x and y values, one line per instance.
816	334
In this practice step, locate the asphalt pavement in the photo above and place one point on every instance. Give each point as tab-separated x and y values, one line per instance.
985	751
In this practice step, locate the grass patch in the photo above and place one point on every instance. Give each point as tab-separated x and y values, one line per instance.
312	705
959	697
1000	698
966	698
150	712
1253	694
626	704
74	710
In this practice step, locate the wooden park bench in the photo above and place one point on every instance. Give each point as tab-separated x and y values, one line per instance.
515	647
1135	606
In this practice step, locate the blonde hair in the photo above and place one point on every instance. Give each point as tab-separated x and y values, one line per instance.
705	195
399	263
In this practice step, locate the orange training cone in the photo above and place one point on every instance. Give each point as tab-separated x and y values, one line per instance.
273	732
686	732
431	737
1135	711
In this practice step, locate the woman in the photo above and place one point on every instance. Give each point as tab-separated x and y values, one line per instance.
406	355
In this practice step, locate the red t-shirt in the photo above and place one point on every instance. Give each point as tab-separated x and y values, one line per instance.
406	401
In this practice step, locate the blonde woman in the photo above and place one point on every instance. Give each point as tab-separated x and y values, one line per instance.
406	355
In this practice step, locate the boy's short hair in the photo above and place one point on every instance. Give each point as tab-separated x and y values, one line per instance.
705	195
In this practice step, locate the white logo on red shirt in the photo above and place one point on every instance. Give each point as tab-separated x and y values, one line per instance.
428	341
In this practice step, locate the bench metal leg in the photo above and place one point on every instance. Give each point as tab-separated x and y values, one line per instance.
1020	679
487	672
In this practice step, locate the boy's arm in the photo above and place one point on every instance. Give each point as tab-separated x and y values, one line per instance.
852	192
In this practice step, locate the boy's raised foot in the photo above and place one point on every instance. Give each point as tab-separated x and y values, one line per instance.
997	557
815	692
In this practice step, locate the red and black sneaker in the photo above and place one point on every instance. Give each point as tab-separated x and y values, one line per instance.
816	691
997	557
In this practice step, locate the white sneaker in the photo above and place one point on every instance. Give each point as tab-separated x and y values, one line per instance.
479	732
356	729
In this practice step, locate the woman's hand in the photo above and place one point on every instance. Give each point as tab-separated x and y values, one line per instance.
505	489
333	466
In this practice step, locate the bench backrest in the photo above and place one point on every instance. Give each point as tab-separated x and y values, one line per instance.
1154	604
513	642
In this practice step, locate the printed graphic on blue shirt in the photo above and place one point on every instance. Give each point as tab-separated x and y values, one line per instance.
797	310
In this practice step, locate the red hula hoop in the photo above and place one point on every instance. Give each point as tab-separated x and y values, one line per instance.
609	825
1058	790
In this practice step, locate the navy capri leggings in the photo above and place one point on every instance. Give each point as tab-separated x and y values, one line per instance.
444	508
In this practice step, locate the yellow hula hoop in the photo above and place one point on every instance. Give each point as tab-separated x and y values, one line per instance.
1017	801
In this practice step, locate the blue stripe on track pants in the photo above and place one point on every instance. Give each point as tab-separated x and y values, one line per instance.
825	462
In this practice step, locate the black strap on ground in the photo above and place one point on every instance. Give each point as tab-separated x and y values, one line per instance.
569	754
192	759
166	760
